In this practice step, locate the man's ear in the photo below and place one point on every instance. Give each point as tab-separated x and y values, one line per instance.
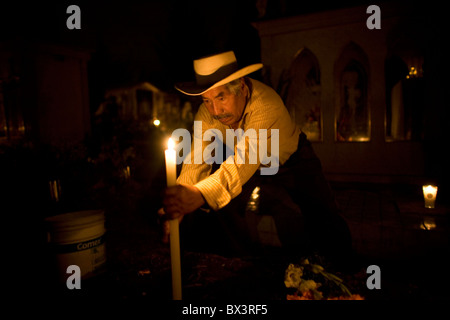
243	86
242	83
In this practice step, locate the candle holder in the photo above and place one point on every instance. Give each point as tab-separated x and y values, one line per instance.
428	223
429	195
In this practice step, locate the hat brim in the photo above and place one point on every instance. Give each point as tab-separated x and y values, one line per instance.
193	89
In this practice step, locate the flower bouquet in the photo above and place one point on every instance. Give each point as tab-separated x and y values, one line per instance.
310	281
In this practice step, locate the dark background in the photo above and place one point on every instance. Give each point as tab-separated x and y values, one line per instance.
154	40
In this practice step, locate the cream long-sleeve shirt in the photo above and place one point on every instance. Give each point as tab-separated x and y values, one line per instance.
264	110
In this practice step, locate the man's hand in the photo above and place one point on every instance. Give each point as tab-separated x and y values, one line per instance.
182	199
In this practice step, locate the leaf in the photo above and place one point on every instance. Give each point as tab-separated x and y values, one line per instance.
316	268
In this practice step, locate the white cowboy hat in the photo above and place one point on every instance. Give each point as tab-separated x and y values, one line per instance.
214	71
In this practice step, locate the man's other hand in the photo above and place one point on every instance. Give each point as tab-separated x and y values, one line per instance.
180	200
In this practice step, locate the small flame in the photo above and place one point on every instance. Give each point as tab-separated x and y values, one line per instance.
430	189
171	144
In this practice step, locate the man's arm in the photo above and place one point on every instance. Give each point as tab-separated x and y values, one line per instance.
180	200
226	183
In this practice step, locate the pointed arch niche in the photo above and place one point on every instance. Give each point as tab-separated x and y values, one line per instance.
352	114
302	94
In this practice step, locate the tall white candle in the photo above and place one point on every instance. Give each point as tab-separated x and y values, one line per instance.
171	167
171	174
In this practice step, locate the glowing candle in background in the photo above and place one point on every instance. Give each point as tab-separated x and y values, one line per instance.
429	195
171	174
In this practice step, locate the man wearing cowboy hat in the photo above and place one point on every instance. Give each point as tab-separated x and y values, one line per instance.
213	199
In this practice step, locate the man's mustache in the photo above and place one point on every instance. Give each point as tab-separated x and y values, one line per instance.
221	116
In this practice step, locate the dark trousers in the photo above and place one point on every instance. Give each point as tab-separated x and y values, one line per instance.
298	198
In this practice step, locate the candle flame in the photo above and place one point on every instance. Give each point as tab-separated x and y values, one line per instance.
430	189
171	144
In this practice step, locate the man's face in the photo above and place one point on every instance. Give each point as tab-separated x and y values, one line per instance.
224	105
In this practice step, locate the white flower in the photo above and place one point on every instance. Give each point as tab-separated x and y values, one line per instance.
308	285
293	276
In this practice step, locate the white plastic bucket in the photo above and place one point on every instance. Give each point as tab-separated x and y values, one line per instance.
77	238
